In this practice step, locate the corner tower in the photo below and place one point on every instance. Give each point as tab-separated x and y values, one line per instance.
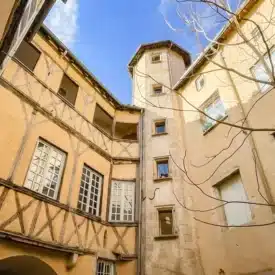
168	242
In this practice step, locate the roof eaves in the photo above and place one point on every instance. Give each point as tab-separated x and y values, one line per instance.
202	57
46	32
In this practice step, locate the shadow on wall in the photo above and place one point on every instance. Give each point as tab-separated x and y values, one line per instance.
25	265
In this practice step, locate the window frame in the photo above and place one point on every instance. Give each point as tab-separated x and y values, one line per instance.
103	261
207	103
199	87
99	201
157	161
156	123
60	88
23	64
226	181
155	87
155	61
265	88
122	204
165	209
61	174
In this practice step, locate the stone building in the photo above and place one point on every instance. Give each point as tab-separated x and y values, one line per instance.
89	185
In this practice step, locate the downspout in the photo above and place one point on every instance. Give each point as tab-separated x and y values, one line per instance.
262	174
139	250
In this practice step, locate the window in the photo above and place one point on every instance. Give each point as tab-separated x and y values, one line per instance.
28	55
160	127
126	130
157	89
165	221
104	268
46	168
156	58
199	82
232	190
214	108
260	72
162	168
90	191
103	120
122	201
68	89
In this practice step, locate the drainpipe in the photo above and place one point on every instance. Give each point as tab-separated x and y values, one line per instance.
262	174
139	250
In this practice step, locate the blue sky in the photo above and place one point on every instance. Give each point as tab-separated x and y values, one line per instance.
105	34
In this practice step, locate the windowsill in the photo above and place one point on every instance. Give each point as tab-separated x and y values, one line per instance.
166	237
162	179
122	223
88	215
65	100
159	134
156	62
158	94
214	125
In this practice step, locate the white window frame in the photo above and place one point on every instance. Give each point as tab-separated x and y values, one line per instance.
104	270
92	181
31	10
233	210
39	182
115	196
198	83
264	87
204	119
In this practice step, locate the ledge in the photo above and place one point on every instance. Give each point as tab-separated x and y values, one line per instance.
166	237
159	134
162	179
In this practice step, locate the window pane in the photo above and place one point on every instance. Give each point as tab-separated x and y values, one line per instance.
162	167
45	170
160	128
122	201
90	190
166	222
215	110
233	190
27	54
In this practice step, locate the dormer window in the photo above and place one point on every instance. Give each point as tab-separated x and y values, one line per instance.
200	82
156	58
157	89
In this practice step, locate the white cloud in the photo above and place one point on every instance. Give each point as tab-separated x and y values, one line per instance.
62	21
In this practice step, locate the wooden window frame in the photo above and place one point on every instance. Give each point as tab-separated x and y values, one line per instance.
122	198
155	123
105	262
45	169
90	195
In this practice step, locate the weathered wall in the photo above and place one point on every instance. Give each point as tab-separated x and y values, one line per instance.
235	250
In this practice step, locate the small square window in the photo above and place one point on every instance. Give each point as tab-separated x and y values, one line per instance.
162	169
160	127
199	82
165	222
157	89
104	268
156	58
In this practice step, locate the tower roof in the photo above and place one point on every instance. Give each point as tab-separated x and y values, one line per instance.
157	45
